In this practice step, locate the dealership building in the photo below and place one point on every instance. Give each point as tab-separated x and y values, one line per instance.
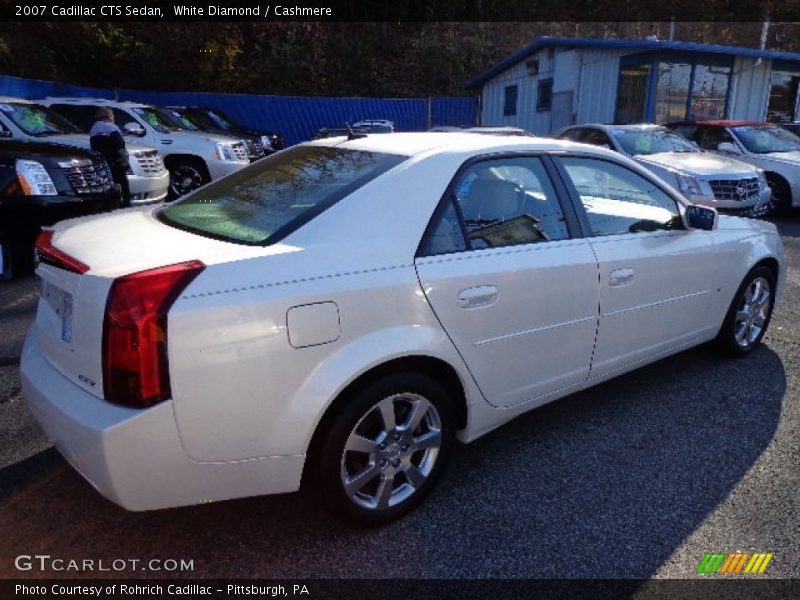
554	82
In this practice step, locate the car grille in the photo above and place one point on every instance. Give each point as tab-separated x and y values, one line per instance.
254	149
150	162
86	177
735	189
241	151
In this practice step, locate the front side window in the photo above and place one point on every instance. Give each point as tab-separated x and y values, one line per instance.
36	120
712	137
510	106
618	200
262	203
764	140
499	202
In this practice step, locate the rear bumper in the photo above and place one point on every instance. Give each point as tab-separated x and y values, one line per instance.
134	457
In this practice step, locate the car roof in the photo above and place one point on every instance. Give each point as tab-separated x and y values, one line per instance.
720	122
96	102
626	127
411	144
17	100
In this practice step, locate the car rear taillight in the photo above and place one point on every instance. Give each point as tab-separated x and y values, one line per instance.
50	255
135	364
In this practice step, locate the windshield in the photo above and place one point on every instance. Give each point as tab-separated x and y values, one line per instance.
197	118
268	200
37	120
222	120
763	140
157	121
178	120
651	141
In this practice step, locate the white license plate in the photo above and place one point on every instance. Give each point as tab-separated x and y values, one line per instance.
61	303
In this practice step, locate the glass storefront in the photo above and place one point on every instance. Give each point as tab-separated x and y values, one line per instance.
692	88
632	103
782	105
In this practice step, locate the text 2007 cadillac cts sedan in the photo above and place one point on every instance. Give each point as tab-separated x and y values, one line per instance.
338	313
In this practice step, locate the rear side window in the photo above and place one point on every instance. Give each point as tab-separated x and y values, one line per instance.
81	116
268	200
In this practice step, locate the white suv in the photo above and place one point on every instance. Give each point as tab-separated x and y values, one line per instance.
25	120
193	158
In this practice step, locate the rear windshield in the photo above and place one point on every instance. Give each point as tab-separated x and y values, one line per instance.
266	201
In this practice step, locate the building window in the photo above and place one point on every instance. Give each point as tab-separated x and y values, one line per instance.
510	107
709	92
782	96
672	91
632	96
544	97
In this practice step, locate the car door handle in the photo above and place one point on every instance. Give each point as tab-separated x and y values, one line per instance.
620	277
475	297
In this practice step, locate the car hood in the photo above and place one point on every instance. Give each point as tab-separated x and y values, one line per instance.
789	158
697	163
206	135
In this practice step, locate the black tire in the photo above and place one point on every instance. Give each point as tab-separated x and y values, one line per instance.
781	198
185	176
386	466
736	337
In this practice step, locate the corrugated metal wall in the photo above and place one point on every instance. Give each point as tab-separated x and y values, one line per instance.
598	86
526	117
297	118
590	74
750	87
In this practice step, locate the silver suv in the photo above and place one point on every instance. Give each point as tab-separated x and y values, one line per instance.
193	158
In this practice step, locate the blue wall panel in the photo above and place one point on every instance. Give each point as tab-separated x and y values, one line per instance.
297	118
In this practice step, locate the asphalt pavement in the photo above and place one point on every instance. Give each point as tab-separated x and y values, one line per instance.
636	478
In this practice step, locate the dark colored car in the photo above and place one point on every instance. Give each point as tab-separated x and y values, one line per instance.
41	184
259	143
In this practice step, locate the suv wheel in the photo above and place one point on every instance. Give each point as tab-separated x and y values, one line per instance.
186	176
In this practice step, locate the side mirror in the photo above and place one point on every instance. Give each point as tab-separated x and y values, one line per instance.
133	128
728	147
700	217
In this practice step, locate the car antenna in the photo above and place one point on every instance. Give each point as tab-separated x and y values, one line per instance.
351	135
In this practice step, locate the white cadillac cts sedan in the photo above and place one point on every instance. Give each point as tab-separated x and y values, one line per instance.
339	313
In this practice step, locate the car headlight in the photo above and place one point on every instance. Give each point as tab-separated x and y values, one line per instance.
225	152
762	180
688	184
34	179
266	142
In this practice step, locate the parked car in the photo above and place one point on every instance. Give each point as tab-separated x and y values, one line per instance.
25	120
216	119
184	120
793	127
708	179
192	158
375	125
329	132
240	352
42	184
765	145
487	129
